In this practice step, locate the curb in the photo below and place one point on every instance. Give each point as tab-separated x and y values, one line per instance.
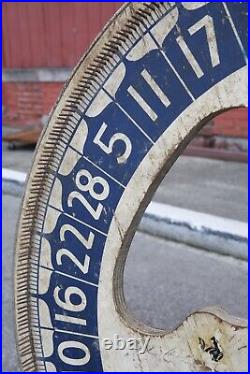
212	233
13	182
216	234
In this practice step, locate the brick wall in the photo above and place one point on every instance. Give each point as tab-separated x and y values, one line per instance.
25	103
49	41
232	123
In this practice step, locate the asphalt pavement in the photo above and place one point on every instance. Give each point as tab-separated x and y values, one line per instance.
163	282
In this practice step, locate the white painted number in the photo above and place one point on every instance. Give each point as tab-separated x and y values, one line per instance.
87	243
189	56
67	304
155	88
90	187
208	23
71	344
109	148
95	212
65	252
69	319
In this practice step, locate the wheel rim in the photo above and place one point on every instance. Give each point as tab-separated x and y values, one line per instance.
68	300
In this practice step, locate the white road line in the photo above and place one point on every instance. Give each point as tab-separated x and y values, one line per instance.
13	175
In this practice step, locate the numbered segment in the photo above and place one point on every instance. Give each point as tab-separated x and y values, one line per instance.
115	144
89	195
104	127
202	42
69	307
147	95
71	352
77	249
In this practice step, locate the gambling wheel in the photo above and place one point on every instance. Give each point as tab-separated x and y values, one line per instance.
151	80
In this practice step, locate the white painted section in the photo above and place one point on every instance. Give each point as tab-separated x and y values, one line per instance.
100	102
141	48
115	80
147	44
181	346
167	24
194	5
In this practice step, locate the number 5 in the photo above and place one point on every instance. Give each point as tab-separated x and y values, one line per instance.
109	148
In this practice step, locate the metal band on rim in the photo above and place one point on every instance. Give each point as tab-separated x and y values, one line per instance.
157	73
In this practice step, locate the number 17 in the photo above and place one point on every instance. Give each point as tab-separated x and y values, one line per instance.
207	22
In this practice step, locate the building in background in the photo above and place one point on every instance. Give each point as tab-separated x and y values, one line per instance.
43	41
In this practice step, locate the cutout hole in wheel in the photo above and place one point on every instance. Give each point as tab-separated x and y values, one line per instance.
165	280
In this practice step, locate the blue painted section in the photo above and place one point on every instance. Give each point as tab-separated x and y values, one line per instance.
117	122
78	210
76	247
93	365
157	66
88	314
231	59
239	15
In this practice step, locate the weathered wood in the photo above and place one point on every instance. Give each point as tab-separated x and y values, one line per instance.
154	77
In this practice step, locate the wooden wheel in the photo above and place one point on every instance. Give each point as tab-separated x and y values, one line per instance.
149	82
